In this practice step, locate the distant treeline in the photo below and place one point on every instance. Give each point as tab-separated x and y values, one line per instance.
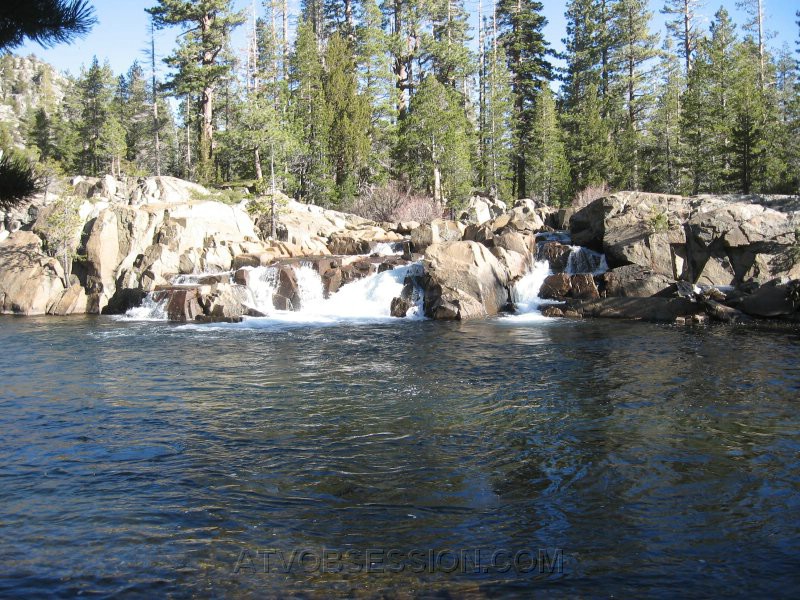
370	95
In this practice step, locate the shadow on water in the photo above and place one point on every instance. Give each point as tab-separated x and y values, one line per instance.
146	458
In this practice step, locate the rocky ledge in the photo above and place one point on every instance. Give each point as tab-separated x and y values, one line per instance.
726	258
644	256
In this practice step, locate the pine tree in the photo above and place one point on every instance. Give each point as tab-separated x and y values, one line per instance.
207	25
664	173
583	52
684	27
707	121
135	111
585	93
403	19
592	158
340	17
784	142
446	47
436	145
40	135
312	165
259	136
376	84
348	140
65	122
96	92
548	174
47	22
522	24
753	166
633	59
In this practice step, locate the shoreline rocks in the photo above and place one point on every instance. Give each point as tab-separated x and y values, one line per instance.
730	257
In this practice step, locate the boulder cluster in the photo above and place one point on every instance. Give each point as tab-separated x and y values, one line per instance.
723	257
643	255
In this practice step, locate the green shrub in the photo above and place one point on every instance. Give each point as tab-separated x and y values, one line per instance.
794	251
658	221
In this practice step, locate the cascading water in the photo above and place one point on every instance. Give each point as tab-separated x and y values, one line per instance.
263	282
584	260
189	279
309	284
525	293
387	249
369	298
149	310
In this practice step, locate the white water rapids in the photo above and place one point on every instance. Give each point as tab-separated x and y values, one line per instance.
367	299
370	298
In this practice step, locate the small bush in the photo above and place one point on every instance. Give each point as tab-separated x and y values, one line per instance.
231	196
395	202
589	194
658	221
794	251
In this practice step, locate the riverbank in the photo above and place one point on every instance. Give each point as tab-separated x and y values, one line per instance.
628	255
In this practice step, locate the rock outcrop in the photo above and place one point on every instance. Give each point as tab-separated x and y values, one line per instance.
731	258
31	283
464	280
436	232
704	240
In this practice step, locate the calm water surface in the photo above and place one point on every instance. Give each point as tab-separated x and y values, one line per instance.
148	459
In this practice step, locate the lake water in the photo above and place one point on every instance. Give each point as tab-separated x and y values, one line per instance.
597	458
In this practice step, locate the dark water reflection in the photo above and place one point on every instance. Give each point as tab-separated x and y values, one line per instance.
141	459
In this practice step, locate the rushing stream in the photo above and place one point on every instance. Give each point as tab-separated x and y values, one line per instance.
146	459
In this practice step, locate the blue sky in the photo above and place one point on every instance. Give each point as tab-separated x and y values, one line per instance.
122	32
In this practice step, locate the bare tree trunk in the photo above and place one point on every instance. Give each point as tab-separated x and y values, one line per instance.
188	139
351	25
760	22
494	91
285	40
687	32
437	174
481	96
257	162
155	98
207	109
400	66
273	203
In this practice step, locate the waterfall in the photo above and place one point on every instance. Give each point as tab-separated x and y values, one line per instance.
525	293
366	299
149	310
583	260
262	283
311	288
387	249
370	297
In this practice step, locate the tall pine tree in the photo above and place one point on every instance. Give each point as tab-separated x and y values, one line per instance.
206	26
522	34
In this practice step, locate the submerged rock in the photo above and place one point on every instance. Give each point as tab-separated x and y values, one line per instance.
646	309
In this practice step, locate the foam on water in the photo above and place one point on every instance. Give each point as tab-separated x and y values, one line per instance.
525	295
366	300
150	310
387	249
